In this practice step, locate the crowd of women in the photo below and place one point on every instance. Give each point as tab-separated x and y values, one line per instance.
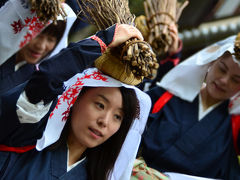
63	118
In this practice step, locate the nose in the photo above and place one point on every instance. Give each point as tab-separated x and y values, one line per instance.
224	80
103	120
41	43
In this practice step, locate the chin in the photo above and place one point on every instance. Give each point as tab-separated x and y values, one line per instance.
32	61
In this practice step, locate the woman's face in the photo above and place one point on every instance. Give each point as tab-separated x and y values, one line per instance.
96	116
223	78
37	48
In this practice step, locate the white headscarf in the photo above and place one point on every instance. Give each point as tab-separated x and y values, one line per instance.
186	79
19	25
93	77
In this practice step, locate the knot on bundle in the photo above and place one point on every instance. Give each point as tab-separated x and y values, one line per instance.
140	58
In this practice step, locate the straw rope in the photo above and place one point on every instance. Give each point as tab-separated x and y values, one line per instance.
160	14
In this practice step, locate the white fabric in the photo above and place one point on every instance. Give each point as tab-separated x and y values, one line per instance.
201	112
16	13
186	79
75	164
29	113
20	64
57	119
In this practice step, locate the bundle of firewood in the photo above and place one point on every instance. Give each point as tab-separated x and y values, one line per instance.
237	47
160	14
135	55
47	9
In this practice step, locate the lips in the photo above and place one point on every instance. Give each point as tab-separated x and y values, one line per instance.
218	87
35	54
96	132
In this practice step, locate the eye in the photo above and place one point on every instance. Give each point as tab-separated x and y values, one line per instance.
222	69
235	81
99	105
51	39
118	117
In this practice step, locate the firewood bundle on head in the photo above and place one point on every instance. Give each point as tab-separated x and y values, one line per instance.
160	14
237	47
47	9
135	59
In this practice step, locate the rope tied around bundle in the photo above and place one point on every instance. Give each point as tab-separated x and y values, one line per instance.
136	57
159	16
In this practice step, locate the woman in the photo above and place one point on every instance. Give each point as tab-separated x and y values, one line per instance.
190	126
104	121
21	65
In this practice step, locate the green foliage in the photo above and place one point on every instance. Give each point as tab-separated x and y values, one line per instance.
136	7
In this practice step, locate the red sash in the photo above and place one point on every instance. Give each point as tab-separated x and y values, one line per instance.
235	119
16	149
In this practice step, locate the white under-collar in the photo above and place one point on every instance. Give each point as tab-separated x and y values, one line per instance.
201	112
75	164
20	64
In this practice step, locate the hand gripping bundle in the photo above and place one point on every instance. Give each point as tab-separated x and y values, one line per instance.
160	14
131	62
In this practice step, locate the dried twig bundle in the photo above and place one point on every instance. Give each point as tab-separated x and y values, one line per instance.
237	47
136	55
160	14
104	13
48	9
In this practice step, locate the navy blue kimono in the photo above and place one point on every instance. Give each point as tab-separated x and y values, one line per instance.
71	60
43	165
10	78
62	66
13	134
176	141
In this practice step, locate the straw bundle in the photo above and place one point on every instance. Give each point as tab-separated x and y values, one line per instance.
160	14
136	56
141	24
237	47
48	9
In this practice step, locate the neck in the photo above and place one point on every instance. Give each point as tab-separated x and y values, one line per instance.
18	58
207	100
75	150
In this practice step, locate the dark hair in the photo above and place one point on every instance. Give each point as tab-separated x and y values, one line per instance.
101	159
55	30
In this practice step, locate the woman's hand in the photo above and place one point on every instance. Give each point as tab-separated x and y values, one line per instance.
124	32
175	39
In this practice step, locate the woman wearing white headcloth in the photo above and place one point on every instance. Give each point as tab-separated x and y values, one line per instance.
103	120
193	125
22	48
91	131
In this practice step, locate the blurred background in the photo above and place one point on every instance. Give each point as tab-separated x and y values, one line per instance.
202	22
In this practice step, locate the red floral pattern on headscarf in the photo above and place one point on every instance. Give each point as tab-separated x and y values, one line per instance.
34	26
71	94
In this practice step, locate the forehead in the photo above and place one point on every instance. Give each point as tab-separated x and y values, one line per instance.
109	95
227	60
108	92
